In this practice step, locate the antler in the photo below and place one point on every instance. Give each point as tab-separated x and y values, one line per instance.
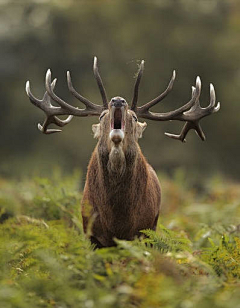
100	83
191	112
194	115
52	112
136	86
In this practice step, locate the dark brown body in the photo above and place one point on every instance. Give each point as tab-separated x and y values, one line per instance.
122	192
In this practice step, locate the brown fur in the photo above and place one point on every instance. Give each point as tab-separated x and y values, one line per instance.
122	192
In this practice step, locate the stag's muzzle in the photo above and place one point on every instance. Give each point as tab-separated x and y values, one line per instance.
118	109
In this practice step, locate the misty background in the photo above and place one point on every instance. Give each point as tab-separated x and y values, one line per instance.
193	37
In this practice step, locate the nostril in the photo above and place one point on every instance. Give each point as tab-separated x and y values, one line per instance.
118	102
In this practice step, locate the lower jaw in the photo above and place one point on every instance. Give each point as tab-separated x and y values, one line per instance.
116	135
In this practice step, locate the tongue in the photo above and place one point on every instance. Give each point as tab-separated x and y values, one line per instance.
117	119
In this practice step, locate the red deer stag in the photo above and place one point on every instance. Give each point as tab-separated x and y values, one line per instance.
122	192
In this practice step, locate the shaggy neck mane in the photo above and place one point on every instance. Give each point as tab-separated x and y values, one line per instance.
117	162
122	173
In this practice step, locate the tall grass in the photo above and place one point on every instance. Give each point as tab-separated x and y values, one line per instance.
193	260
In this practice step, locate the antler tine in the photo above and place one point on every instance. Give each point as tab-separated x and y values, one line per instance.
91	109
136	86
50	111
36	102
186	128
194	115
62	103
63	109
171	115
48	101
159	98
191	112
89	105
213	100
100	83
53	120
45	102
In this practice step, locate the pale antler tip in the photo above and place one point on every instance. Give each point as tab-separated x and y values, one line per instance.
212	96
198	80
27	87
217	107
174	74
69	81
212	88
94	61
48	131
48	81
176	137
212	92
53	83
69	118
193	90
40	127
68	76
141	66
48	76
198	84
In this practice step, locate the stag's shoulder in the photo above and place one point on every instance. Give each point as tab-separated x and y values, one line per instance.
153	176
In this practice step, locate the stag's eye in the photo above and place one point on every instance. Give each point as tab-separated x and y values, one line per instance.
101	116
135	118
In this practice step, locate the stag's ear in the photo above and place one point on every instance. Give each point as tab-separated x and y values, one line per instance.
96	130
140	129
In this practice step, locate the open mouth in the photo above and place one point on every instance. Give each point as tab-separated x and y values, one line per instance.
117	124
117	119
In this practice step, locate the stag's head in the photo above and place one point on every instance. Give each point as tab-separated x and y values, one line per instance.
119	125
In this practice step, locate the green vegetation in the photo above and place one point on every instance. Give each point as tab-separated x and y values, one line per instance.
193	260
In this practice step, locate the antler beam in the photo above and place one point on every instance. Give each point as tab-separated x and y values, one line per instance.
193	116
191	112
51	111
64	108
100	83
136	86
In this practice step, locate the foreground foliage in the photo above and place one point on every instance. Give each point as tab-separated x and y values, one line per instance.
191	261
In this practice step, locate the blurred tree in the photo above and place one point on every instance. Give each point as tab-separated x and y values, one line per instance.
193	37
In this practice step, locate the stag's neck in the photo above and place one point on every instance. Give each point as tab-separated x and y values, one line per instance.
119	162
122	176
117	193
